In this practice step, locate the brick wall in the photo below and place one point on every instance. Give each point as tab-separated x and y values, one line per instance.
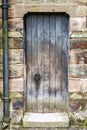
77	54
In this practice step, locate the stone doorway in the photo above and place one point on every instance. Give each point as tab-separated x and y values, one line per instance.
46	59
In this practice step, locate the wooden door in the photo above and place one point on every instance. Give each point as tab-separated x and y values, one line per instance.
46	61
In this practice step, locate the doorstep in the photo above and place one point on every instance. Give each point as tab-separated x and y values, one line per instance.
46	120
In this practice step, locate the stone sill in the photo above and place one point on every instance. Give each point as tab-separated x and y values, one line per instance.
47	120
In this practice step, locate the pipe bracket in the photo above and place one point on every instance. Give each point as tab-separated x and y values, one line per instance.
4	6
7	99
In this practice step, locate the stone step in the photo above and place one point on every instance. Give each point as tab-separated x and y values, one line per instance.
46	120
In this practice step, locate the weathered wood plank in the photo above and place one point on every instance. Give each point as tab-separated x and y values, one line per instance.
64	65
52	63
34	63
15	56
28	92
58	63
40	61
15	71
46	75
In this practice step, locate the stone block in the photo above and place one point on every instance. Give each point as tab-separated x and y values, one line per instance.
15	85
0	13
81	11
77	127
16	117
0	24
15	71
78	56
77	24
79	2
45	128
72	57
26	1
77	96
14	34
77	85
1	44
33	1
57	1
14	43
76	105
11	11
18	104
15	24
12	1
15	56
1	33
79	34
78	70
1	110
16	95
78	44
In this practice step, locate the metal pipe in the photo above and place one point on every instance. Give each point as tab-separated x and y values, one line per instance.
6	99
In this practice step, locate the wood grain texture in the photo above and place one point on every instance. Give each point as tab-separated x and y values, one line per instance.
46	64
47	55
64	68
58	62
28	49
40	63
52	60
34	62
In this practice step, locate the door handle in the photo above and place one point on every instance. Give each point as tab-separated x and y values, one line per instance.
37	77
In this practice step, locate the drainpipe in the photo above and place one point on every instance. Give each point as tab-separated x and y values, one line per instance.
6	99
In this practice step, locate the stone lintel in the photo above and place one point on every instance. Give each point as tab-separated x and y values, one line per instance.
25	8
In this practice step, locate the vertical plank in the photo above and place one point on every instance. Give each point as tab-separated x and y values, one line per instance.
64	79
40	61
28	63
46	63
58	62
52	63
34	62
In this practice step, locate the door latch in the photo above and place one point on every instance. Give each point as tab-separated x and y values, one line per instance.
37	77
